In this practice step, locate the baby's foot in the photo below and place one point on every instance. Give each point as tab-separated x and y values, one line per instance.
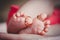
17	22
42	17
39	26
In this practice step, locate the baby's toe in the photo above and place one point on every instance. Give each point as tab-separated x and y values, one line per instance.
47	22
45	30
42	16
28	21
22	14
42	33
14	16
39	30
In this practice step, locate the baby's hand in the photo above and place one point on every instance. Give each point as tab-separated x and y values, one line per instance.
18	21
39	26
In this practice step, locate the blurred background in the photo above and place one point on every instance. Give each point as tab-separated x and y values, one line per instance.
5	7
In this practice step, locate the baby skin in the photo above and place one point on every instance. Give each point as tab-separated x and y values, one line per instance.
18	22
23	24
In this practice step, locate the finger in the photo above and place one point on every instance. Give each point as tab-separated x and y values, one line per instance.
42	16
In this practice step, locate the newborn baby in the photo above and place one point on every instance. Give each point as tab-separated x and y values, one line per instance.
21	23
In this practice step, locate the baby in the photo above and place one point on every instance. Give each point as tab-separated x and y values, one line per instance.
21	23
